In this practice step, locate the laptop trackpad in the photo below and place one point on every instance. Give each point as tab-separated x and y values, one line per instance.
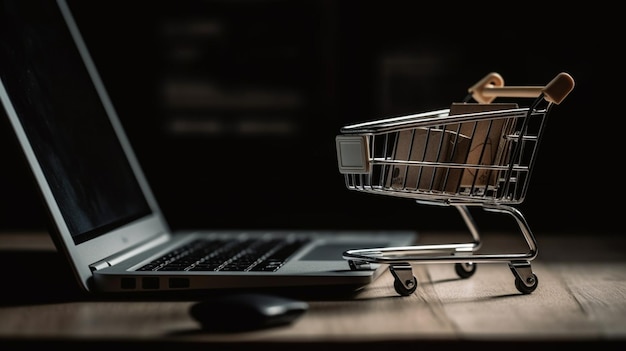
332	252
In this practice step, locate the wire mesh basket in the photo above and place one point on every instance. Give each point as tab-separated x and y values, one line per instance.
474	153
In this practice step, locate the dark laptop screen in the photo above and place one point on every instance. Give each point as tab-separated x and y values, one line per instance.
71	135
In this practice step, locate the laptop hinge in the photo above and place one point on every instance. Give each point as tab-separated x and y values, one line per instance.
121	256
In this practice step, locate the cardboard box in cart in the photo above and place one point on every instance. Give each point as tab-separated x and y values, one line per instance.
471	144
430	147
488	143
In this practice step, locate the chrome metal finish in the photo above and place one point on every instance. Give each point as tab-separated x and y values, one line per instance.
465	160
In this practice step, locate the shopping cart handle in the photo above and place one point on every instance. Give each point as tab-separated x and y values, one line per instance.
558	89
492	86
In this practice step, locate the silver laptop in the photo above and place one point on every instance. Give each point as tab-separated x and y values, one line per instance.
104	217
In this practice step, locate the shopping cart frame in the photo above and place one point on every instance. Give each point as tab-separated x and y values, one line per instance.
367	171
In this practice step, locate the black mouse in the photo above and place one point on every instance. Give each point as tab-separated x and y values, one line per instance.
246	311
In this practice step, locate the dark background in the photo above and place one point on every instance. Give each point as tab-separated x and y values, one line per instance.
233	106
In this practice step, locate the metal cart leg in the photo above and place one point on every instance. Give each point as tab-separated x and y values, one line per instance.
467	269
525	280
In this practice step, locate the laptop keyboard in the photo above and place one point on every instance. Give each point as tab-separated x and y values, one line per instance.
259	255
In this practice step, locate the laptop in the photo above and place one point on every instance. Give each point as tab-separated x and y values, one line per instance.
104	217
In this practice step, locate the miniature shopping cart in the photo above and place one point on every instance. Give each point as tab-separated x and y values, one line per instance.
475	153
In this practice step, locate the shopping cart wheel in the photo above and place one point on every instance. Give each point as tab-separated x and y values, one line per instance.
525	280
465	269
405	282
527	289
402	289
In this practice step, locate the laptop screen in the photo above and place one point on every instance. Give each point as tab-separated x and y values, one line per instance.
63	116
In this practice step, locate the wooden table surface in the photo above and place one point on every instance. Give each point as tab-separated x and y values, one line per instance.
581	297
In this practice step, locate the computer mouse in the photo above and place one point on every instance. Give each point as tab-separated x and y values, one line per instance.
246	311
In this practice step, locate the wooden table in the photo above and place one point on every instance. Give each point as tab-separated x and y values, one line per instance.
581	298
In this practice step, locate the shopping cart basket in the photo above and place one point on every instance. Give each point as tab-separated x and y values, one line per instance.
475	153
